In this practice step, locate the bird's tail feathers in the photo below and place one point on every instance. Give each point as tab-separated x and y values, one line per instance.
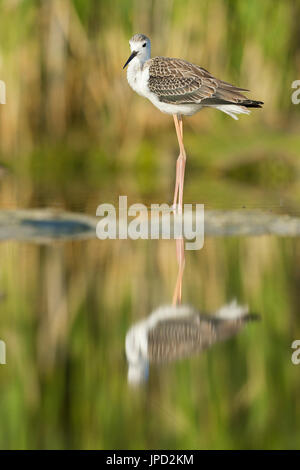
233	109
233	311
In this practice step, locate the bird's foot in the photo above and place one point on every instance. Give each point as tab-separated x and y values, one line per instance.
176	209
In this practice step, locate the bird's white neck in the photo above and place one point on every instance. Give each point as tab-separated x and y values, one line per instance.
135	72
137	64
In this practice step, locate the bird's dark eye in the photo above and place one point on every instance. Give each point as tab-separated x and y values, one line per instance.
144	45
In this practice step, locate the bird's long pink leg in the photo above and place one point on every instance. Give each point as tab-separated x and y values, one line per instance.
176	185
180	164
177	169
181	263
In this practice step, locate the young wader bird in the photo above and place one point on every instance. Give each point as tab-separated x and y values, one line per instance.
173	332
178	87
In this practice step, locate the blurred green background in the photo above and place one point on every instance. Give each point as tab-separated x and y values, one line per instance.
74	135
70	110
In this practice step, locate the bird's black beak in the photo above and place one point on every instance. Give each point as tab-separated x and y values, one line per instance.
130	58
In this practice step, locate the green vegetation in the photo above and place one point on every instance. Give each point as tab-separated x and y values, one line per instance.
64	318
73	135
71	121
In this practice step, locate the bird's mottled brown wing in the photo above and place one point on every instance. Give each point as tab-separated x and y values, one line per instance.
178	338
174	339
180	82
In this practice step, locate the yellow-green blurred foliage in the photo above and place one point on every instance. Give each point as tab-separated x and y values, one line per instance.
73	134
64	318
71	121
62	63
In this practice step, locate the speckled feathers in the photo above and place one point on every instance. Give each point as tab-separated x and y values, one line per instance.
178	81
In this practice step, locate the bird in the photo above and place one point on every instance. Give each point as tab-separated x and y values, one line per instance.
177	331
174	332
178	87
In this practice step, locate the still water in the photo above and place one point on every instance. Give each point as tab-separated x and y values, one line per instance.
66	308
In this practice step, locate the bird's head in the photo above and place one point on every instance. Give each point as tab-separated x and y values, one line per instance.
140	47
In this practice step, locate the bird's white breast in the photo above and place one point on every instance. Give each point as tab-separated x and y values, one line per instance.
138	78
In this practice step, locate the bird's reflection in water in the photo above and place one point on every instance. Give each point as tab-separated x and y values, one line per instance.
178	331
